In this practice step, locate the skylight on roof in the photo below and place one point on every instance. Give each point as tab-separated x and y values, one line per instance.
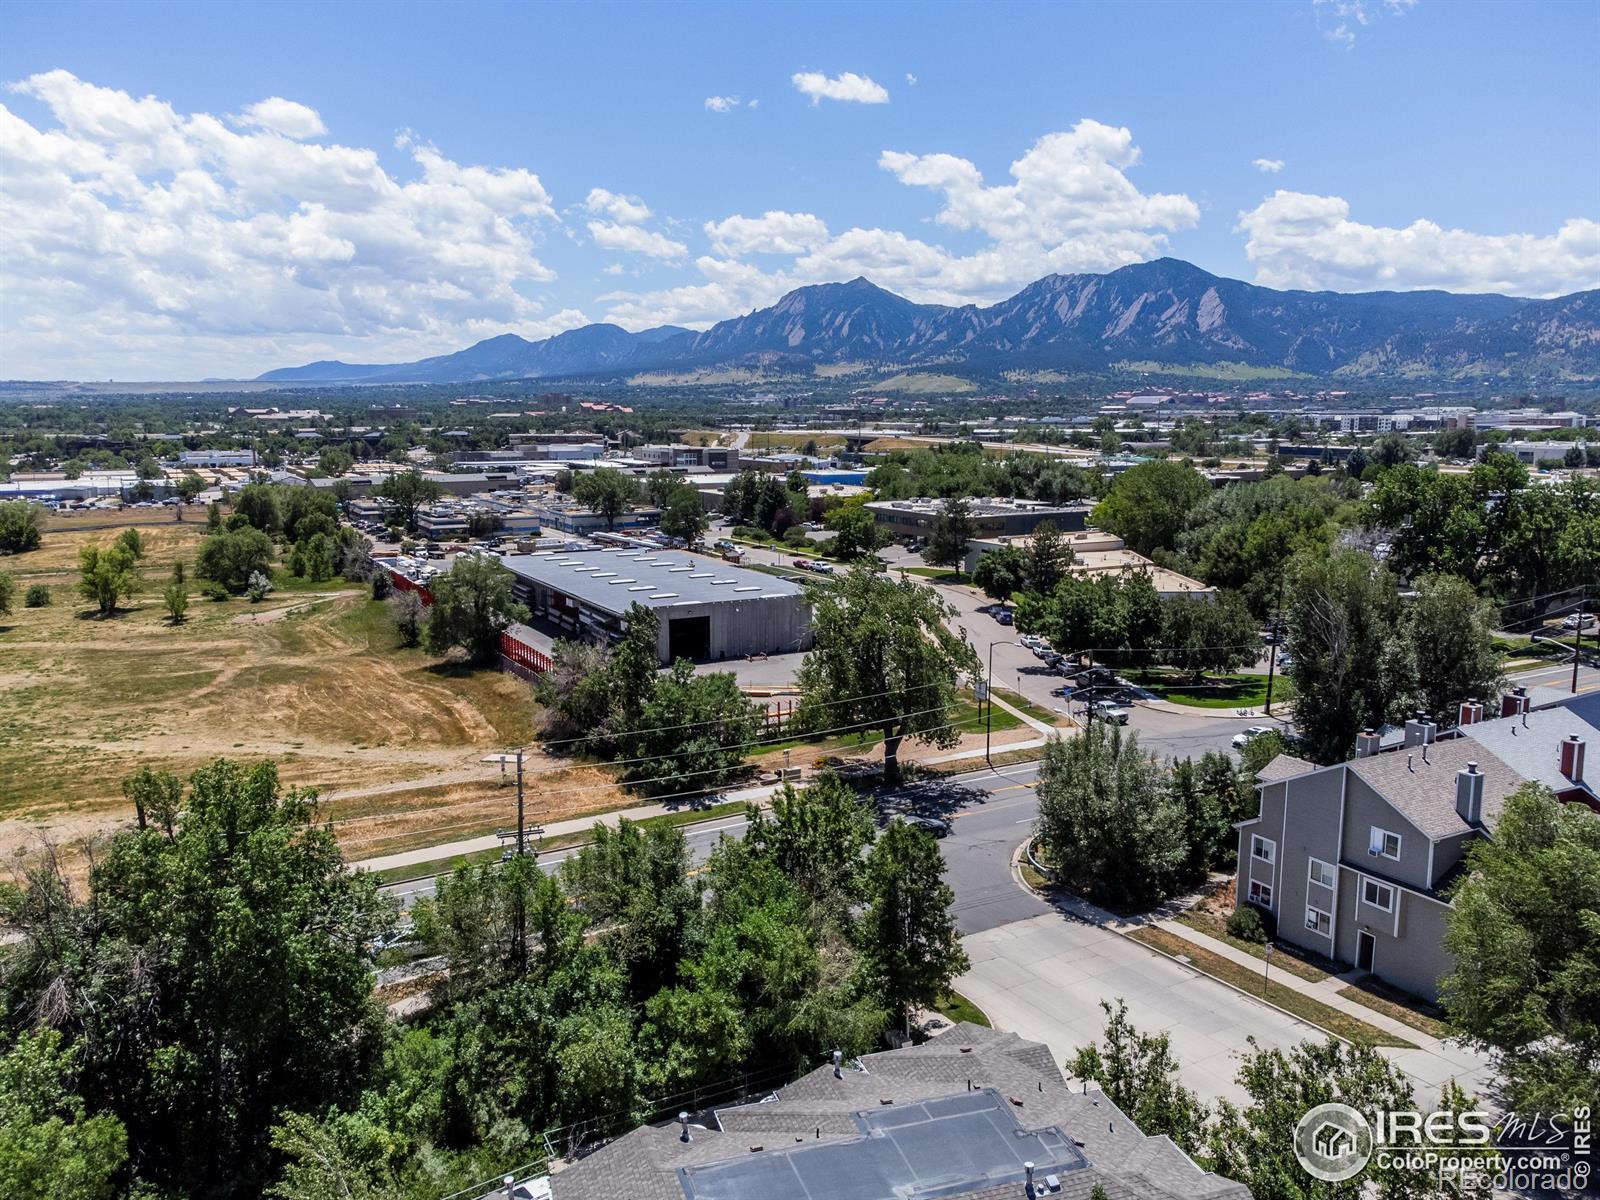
748	587
664	596
641	587
620	579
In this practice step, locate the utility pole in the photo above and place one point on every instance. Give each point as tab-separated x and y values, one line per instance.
520	825
1577	648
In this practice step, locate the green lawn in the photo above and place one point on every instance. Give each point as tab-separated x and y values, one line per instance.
1215	691
936	574
953	1006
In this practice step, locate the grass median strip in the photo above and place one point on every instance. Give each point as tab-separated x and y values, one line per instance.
1375	999
1307	1009
1214	926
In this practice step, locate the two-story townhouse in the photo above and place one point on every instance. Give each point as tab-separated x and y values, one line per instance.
1354	861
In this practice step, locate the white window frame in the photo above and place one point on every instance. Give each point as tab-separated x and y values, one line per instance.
1311	873
1256	842
1257	889
1384	887
1378	842
1316	918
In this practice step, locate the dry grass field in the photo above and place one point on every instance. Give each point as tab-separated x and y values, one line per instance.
311	677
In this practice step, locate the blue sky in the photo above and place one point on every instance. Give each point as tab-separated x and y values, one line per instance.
216	189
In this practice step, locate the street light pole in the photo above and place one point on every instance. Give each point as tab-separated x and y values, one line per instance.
988	687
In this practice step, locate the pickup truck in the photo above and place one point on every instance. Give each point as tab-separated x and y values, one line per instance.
1107	710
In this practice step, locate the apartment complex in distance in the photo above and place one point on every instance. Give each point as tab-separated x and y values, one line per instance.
1355	860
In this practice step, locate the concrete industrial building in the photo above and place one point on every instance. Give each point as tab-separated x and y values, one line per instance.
1096	552
708	609
990	516
216	458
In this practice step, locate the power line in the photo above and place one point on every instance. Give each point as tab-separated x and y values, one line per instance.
972	721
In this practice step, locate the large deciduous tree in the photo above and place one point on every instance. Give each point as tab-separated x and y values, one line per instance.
1107	822
1139	1072
20	525
910	940
1347	655
1450	632
231	556
951	531
1147	505
472	605
607	492
884	659
1525	935
215	976
406	492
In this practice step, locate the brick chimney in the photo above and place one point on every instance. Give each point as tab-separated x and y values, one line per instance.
1469	794
1470	713
1572	758
1367	742
1514	703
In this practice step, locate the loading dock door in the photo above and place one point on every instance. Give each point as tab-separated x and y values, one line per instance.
689	637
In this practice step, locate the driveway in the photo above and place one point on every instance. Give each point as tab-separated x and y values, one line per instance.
1044	977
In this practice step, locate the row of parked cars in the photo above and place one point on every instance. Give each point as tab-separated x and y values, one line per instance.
814	564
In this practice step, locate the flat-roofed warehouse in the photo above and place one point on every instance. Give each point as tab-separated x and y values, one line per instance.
709	610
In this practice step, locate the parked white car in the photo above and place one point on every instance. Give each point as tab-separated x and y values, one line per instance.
1241	740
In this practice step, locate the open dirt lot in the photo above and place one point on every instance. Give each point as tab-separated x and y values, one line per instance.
310	677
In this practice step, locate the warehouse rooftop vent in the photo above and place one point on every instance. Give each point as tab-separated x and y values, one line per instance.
748	587
621	579
664	595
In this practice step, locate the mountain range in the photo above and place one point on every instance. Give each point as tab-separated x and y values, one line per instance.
1161	314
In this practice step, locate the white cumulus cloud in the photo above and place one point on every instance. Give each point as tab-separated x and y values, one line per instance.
284	116
770	233
633	239
1269	166
138	240
849	86
628	210
1070	206
721	104
1297	240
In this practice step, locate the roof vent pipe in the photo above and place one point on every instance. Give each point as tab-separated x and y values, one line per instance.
683	1120
838	1058
1028	1167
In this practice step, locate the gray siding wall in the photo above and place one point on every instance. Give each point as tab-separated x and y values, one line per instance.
1408	945
1364	808
769	625
1301	817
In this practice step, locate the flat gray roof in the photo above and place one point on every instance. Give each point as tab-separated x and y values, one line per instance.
919	1151
613	579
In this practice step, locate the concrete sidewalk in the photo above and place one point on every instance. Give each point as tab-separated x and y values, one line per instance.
427	854
1325	991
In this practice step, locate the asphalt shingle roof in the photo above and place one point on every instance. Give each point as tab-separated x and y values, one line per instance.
819	1110
1423	789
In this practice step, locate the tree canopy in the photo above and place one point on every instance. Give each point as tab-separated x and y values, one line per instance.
472	605
883	659
1525	937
